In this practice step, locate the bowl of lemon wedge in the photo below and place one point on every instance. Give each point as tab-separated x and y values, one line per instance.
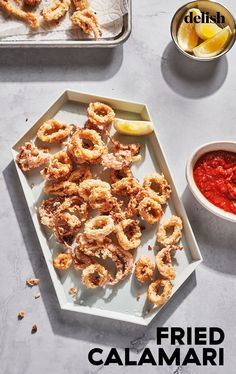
203	30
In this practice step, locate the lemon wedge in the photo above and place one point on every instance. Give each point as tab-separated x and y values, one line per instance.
136	128
207	30
215	45
186	36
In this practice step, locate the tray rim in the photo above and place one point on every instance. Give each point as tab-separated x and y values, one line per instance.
121	39
67	96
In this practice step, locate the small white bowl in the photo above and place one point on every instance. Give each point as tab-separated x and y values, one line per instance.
214	146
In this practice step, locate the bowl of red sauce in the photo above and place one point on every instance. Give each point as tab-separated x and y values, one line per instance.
211	176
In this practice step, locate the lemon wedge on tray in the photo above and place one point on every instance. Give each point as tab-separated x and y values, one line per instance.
207	30
136	128
214	45
186	36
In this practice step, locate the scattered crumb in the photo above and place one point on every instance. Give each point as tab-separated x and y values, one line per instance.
138	298
32	282
21	314
26	120
149	248
37	295
34	329
73	291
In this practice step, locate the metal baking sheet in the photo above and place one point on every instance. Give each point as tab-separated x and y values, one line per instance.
82	43
127	300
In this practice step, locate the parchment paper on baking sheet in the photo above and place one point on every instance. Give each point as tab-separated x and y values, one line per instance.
109	12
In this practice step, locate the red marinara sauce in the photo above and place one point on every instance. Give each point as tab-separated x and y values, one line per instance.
215	176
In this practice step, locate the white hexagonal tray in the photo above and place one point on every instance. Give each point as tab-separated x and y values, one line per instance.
127	300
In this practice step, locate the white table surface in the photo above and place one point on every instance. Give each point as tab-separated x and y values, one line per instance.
191	103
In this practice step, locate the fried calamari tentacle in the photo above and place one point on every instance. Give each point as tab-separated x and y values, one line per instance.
170	232
123	261
62	261
150	210
62	189
126	186
118	160
100	114
29	18
59	167
48	209
31	3
88	22
80	174
128	234
144	269
99	227
80	260
91	247
86	146
81	4
159	291
86	187
65	226
75	205
56	10
158	187
134	148
30	157
53	131
94	276
164	261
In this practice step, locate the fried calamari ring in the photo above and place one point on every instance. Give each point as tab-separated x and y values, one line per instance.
153	294
56	10
48	209
86	146
29	18
150	210
30	157
62	189
100	114
80	174
80	260
158	187
173	225
65	226
87	20
126	186
99	227
117	175
53	131
87	186
128	234
75	205
62	261
59	167
144	269
163	261
94	276
102	200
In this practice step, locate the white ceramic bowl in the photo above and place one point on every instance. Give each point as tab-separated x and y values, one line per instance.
214	146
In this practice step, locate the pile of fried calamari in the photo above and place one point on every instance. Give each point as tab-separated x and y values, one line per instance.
83	16
96	220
